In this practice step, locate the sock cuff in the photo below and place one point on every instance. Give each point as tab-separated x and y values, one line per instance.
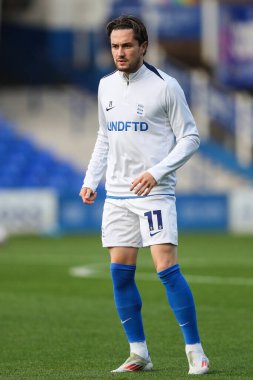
197	347
115	266
168	271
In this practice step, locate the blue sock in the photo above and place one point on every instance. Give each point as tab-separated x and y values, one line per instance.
128	301
181	301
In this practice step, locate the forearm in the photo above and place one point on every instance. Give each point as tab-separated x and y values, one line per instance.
181	153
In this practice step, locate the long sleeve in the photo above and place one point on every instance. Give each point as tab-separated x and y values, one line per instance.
98	161
185	131
183	150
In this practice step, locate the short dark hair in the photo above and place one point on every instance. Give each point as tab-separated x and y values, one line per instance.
129	22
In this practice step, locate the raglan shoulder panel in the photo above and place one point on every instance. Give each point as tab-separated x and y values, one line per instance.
109	78
172	82
108	75
153	69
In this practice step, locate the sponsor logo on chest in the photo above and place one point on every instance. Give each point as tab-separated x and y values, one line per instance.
120	126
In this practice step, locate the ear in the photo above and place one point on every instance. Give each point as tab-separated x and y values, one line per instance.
144	47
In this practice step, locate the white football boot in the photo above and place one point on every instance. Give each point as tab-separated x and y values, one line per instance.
198	363
135	363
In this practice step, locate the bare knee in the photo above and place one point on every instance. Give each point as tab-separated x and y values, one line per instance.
123	255
164	256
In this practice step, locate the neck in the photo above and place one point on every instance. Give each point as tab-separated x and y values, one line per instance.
127	73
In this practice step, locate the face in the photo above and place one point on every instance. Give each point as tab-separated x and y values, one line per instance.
126	51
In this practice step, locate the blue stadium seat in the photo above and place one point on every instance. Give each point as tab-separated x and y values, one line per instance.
225	158
22	164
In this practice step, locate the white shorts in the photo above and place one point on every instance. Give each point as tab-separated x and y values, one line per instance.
139	222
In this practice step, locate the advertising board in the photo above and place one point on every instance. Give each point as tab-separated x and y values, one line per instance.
28	211
235	45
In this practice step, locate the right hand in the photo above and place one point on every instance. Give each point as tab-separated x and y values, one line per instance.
88	195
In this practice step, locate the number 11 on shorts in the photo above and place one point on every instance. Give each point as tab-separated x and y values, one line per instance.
150	215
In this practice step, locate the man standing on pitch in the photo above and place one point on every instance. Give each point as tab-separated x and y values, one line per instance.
146	132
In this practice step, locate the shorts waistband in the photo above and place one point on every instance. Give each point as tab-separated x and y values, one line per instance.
138	196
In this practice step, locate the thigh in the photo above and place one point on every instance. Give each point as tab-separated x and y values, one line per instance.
120	226
158	220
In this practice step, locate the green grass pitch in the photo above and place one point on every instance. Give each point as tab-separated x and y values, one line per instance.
55	325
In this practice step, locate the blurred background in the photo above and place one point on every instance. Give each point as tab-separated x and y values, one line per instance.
52	55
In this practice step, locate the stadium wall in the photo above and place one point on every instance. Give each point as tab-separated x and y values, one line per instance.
227	32
54	41
46	212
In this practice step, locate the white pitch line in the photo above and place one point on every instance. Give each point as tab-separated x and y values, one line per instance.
99	271
81	272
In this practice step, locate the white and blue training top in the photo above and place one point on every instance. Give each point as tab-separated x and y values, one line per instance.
144	125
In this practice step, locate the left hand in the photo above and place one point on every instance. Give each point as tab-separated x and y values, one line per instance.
143	184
